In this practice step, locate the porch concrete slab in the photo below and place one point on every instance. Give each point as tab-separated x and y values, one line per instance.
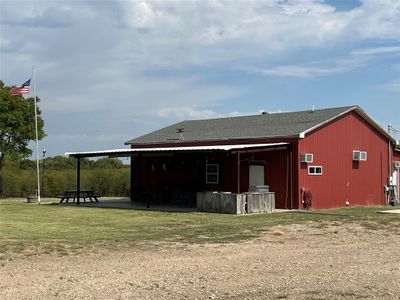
126	203
284	210
392	211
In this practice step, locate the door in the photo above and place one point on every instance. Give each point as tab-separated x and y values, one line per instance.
256	175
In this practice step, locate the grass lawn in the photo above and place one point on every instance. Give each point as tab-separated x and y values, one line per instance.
27	229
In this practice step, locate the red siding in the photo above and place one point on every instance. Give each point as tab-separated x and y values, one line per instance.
275	174
360	183
396	156
187	172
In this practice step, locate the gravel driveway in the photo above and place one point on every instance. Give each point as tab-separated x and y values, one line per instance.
308	261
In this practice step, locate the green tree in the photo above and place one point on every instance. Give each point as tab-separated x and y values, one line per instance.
108	163
17	127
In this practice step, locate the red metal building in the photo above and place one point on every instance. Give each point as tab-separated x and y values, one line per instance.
331	157
343	179
320	158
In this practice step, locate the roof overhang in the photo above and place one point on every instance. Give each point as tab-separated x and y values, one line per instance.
130	152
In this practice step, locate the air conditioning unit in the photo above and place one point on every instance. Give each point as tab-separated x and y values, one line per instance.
396	165
359	155
307	158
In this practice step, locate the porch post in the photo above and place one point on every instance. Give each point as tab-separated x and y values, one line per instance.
132	179
78	178
290	174
238	172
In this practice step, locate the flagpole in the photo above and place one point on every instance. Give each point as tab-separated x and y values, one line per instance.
36	133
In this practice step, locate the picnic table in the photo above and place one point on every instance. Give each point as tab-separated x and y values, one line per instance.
83	194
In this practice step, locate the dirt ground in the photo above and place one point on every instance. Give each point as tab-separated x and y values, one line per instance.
308	261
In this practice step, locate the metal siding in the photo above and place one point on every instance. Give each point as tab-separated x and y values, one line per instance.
395	156
295	176
187	171
275	174
361	183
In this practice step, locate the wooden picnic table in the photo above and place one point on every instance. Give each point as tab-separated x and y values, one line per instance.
83	194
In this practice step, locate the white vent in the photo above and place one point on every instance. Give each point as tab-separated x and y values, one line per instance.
359	155
307	158
396	165
363	155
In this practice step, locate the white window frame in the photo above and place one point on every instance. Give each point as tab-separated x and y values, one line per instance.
304	156
361	154
315	169
212	173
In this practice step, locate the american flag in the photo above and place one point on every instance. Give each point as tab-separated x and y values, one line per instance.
20	90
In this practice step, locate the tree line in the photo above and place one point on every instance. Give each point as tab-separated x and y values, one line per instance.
106	176
68	163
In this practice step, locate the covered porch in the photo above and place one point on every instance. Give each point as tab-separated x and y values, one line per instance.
172	176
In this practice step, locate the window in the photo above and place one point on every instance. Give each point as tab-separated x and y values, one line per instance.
212	172
314	170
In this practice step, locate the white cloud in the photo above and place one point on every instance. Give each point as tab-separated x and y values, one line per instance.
140	14
377	50
356	59
139	35
315	69
192	113
393	86
184	113
124	62
137	95
93	137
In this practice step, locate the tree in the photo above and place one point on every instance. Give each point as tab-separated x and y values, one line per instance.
108	163
17	127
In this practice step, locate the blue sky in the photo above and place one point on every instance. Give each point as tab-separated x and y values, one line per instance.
109	71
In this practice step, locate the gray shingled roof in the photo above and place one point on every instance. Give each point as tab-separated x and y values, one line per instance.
286	124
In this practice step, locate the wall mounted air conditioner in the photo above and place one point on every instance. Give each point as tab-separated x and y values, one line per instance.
359	155
307	157
396	165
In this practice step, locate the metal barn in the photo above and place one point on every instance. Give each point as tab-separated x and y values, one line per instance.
316	158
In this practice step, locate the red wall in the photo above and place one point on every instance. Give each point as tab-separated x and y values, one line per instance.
186	171
275	174
360	183
395	156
